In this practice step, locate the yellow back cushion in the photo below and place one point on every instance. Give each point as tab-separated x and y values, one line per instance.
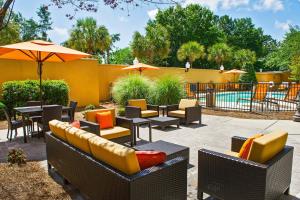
185	103
91	114
141	103
266	147
79	138
58	128
116	155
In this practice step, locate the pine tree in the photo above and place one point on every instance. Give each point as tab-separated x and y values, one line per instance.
44	23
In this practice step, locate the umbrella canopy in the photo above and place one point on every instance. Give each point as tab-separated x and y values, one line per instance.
40	52
234	72
140	67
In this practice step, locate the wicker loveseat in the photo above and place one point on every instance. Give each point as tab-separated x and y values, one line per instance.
228	177
140	108
121	132
188	111
104	170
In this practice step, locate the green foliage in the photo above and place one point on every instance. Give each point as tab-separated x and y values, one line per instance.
90	107
295	69
152	48
10	34
131	87
16	156
17	93
122	56
167	90
88	37
2	105
190	51
220	53
121	111
243	58
289	48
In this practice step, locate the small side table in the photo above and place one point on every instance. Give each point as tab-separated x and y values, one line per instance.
163	108
136	128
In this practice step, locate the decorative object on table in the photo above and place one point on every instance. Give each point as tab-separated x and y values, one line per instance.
40	52
121	132
163	122
163	108
188	111
138	108
268	169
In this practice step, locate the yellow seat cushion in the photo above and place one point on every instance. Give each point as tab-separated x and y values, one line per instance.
185	103
177	113
232	153
114	132
91	114
141	103
266	147
79	138
115	155
149	113
58	128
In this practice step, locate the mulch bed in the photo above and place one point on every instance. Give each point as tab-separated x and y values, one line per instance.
29	181
248	115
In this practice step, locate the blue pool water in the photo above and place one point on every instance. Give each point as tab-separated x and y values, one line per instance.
234	96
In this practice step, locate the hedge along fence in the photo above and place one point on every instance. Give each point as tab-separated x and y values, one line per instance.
17	93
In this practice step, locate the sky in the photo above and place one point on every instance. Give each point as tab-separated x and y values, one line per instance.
274	16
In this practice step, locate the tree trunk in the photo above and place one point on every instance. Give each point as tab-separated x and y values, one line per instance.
107	56
3	12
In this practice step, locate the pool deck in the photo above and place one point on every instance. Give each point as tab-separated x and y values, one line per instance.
215	134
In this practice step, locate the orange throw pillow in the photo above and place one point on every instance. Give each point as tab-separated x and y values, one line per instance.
105	120
245	149
150	158
75	124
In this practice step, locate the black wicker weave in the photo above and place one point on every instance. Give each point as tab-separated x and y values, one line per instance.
100	181
191	113
230	178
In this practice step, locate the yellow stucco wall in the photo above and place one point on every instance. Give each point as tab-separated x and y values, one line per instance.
90	82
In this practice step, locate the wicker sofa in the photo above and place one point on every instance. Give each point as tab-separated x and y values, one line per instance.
121	133
187	111
138	108
230	178
99	180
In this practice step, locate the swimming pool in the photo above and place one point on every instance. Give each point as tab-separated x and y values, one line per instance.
233	97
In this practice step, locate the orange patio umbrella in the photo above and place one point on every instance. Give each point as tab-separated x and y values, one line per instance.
234	72
40	52
140	67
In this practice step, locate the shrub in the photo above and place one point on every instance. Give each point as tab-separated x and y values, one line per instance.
121	111
2	116
17	93
131	87
16	156
167	90
90	107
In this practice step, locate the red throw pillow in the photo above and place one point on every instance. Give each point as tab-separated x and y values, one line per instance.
75	124
105	120
150	158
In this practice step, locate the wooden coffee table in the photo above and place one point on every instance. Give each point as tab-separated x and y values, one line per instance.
163	122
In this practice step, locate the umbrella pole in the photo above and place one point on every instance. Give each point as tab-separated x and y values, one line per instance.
40	68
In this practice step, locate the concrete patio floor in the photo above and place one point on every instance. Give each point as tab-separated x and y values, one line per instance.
214	134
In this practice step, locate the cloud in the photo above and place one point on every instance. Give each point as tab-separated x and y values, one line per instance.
216	4
152	13
275	5
285	26
63	32
123	19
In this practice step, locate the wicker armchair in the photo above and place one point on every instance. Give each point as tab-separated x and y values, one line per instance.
187	111
227	177
138	108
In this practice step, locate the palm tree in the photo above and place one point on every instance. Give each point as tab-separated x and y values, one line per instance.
87	36
220	53
190	51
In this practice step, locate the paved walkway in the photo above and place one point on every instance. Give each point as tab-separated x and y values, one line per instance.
215	134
